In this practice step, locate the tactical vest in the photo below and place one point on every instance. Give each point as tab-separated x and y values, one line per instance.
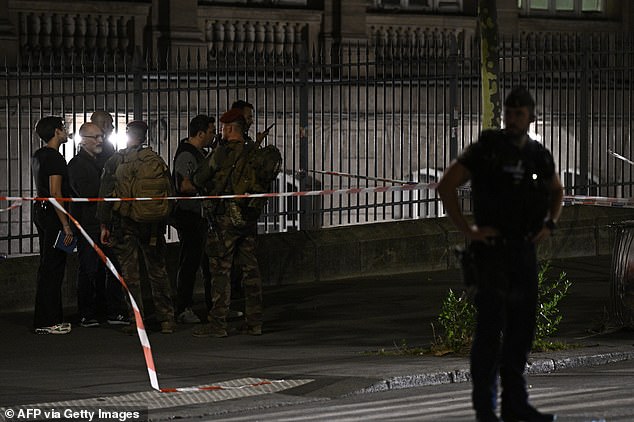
511	186
239	169
184	146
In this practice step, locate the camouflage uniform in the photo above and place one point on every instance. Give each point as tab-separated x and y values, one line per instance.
227	245
133	241
233	238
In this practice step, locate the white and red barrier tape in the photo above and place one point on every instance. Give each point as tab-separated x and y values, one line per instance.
567	200
18	203
143	338
356	176
349	191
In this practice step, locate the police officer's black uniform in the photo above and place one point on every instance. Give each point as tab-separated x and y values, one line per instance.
510	188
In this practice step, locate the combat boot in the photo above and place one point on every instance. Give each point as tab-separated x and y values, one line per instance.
211	329
167	327
252	330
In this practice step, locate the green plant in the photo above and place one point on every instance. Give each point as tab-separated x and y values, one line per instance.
457	321
457	316
549	294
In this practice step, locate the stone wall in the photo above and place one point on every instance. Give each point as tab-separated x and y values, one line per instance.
364	250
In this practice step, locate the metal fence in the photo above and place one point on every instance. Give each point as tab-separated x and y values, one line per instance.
397	111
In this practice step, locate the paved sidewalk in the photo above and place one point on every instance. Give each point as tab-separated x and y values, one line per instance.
319	341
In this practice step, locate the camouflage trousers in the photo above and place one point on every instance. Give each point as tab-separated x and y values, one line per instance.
226	246
133	242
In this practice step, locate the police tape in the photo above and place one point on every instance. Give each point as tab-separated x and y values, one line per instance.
324	192
18	203
357	176
567	200
601	201
143	338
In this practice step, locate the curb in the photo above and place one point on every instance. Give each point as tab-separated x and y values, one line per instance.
535	366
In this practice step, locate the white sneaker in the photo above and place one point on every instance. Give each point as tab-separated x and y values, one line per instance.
188	317
87	323
63	328
118	320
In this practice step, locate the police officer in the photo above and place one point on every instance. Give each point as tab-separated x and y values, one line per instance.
517	200
235	226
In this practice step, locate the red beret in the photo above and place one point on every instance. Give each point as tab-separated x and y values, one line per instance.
138	125
233	115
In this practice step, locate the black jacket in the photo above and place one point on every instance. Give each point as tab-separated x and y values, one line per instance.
84	173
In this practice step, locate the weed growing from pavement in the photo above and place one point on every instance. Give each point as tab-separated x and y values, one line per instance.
457	321
457	317
549	294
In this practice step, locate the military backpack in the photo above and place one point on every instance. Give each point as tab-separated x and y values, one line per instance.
143	174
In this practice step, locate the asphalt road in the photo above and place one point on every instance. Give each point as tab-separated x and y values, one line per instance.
319	346
598	394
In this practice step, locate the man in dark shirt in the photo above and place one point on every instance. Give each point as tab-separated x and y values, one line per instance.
51	180
191	225
104	121
517	199
94	282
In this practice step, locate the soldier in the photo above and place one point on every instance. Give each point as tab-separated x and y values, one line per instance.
132	237
516	200
235	226
247	112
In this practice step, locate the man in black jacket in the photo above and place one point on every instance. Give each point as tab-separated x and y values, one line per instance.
104	121
94	282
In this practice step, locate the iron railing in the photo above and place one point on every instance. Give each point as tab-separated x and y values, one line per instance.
398	110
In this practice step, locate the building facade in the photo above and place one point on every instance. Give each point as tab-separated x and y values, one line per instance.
210	27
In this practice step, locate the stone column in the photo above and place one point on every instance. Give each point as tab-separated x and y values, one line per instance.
508	18
628	16
8	35
344	27
175	31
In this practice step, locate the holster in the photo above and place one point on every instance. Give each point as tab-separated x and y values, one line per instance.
466	258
